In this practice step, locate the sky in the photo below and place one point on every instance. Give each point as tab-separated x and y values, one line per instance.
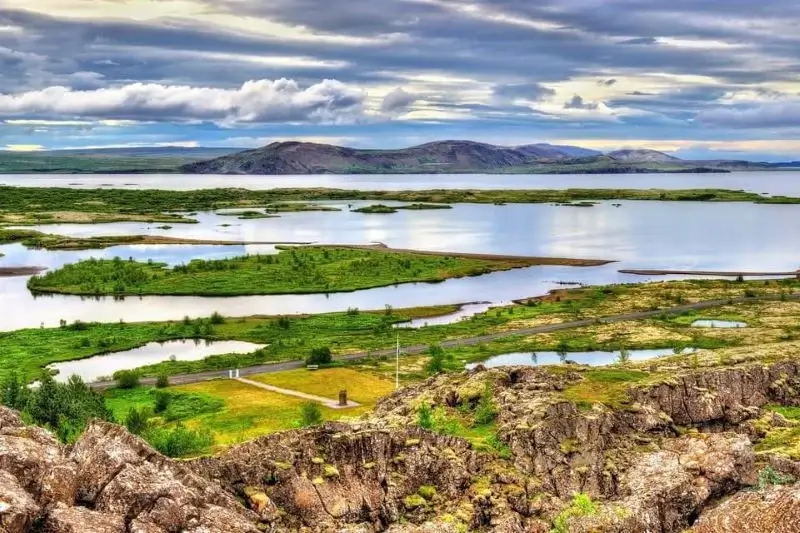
696	78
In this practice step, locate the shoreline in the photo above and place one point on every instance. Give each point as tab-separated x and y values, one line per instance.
10	272
735	274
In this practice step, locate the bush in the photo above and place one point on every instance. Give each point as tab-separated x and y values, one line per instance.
320	356
179	442
162	401
310	415
424	416
14	392
217	318
162	382
127	379
486	413
136	421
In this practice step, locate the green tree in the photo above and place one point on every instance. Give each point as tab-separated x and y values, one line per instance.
485	412
127	379
14	392
162	382
44	402
136	421
162	401
320	356
424	416
310	415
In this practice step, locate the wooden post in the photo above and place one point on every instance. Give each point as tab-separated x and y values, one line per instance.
343	398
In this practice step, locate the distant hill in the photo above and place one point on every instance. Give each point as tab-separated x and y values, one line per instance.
566	151
440	157
642	156
435	157
312	158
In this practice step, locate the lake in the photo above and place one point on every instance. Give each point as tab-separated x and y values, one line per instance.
639	235
581	358
104	366
772	182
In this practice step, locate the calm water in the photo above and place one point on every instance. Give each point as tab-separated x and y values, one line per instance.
674	235
102	366
582	358
718	324
779	182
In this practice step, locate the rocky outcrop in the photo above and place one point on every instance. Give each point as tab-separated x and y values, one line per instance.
775	510
108	482
669	451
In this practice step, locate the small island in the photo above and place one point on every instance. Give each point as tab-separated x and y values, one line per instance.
294	270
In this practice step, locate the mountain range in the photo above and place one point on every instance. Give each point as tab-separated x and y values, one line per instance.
452	157
293	157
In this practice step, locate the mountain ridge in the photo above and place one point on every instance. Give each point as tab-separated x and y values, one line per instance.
447	156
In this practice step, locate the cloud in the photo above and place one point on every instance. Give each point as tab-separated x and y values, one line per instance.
257	101
398	101
532	92
607	83
785	114
577	102
640	41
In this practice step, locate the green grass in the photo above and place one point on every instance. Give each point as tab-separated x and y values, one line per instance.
27	200
292	271
182	406
377	209
361	387
607	386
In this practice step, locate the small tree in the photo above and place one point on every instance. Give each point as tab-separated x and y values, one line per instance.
162	401
310	415
14	392
162	382
136	421
624	357
320	356
127	379
217	318
424	416
486	413
435	365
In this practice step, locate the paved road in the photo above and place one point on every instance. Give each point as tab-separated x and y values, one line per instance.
185	379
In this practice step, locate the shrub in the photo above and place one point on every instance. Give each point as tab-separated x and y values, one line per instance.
162	401
424	416
581	505
180	441
217	318
310	415
127	379
162	382
486	413
136	421
320	356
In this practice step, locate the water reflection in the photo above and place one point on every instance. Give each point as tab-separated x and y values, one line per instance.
779	182
104	366
675	235
581	358
718	324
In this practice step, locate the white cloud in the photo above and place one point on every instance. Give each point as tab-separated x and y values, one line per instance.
257	101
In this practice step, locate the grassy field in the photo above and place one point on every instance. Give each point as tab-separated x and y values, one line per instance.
292	271
27	205
361	387
235	412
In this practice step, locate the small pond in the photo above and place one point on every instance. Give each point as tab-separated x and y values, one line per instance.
465	312
718	324
100	366
582	358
